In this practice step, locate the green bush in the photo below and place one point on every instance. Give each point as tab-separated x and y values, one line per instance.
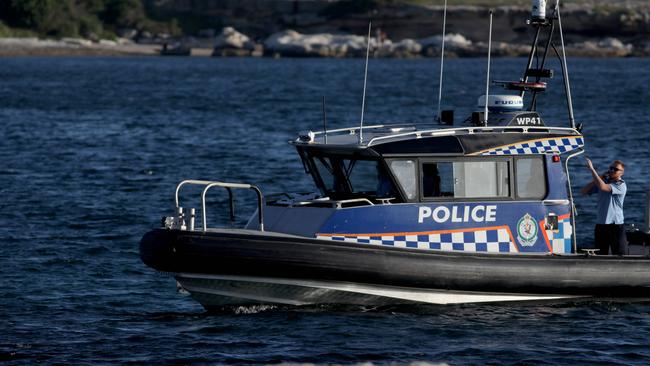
27	13
73	18
90	27
6	31
345	7
123	13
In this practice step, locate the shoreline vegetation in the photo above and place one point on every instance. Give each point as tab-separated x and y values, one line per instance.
313	28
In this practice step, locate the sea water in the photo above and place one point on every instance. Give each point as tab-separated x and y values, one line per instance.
92	148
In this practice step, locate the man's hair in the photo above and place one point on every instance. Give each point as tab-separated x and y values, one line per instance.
618	162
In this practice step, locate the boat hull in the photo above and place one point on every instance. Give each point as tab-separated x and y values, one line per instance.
220	290
225	267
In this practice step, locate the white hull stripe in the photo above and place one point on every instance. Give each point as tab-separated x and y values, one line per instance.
199	284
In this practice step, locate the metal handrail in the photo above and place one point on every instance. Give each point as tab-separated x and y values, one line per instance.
469	130
574	212
228	186
339	204
354	130
334	203
440	131
371	127
558	202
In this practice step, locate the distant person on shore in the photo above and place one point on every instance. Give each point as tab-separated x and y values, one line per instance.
611	189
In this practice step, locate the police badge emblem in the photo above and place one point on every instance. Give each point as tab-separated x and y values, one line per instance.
527	231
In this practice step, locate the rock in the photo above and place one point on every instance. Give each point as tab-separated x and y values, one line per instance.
76	41
91	36
452	41
407	47
145	35
587	45
455	45
232	39
286	43
614	44
128	33
351	45
292	43
107	42
384	49
605	47
258	51
124	41
504	49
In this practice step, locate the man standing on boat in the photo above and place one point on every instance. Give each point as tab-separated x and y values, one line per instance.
610	231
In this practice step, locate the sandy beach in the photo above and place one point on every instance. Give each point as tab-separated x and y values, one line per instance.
13	47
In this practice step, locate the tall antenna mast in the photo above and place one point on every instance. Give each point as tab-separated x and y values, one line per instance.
442	58
565	71
487	81
365	79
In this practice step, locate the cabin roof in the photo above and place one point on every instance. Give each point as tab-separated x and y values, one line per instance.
386	140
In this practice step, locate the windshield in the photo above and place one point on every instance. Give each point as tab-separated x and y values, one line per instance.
342	178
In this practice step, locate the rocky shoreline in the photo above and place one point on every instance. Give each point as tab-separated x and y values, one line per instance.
290	43
279	28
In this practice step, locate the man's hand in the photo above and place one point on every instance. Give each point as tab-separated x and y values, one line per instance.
599	181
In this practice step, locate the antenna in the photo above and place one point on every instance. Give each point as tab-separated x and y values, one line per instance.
442	58
565	71
324	121
365	79
487	81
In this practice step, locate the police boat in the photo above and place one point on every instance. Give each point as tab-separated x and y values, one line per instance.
482	212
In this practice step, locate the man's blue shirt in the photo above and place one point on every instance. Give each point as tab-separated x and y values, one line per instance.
610	204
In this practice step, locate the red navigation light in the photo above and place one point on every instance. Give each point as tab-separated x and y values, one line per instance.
556	158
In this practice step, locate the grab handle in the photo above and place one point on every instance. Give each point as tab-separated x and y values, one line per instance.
228	186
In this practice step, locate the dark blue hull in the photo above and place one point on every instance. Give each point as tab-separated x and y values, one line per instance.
254	254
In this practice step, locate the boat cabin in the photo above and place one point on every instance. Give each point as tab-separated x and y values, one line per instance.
479	189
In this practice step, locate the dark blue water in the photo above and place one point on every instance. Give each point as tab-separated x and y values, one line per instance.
92	149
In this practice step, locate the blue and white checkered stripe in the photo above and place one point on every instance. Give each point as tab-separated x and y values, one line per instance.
561	239
556	145
497	241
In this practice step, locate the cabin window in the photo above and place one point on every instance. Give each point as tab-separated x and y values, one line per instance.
352	178
326	173
364	176
466	179
404	171
531	180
